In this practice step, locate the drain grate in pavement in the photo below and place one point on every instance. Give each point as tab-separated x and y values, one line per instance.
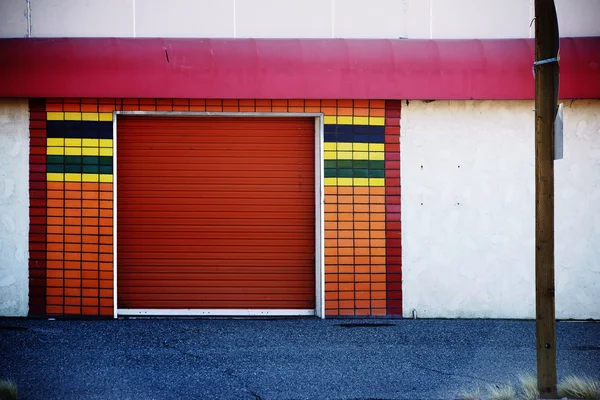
360	325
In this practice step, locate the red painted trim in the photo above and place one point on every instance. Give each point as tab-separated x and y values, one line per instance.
393	233
37	208
289	68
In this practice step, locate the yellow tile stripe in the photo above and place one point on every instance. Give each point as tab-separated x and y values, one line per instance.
353	120
55	142
354	155
347	146
57	177
78	116
354	182
79	151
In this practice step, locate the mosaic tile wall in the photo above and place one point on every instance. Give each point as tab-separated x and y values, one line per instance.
71	164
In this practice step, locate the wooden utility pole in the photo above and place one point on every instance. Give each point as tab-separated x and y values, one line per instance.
546	99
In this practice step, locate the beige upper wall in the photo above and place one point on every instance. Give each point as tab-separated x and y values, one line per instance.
413	19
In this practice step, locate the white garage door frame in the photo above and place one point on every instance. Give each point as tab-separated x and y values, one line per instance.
319	310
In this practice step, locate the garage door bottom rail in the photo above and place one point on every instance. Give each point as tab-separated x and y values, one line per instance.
190	312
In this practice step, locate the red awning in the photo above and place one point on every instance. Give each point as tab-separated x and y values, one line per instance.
289	68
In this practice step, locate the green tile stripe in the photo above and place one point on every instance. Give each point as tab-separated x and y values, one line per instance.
354	173
354	169
356	164
79	169
80	164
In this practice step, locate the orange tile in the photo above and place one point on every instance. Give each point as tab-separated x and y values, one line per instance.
263	102
377	225
73	230
89	265
104	187
72	238
106	239
331	269
378	278
345	242
346	234
377	208
378	295
378	269
73	212
90	230
345	199
329	110
330	190
361	216
363	303
346	189
90	283
106	257
73	194
54	273
90	212
344	111
330	234
201	108
330	251
377	103
378	303
90	274
342	225
73	247
330	312
346	269
362	311
106	293
361	103
345	103
378	311
347	295
54	229
346	251
361	208
106	302
316	109
330	286
331	260
376	216
72	274
73	291
54	310
330	225
331	296
72	310
104	196
377	112
380	234
106	204
346	304
106	284
90	292
106	311
106	249
90	257
377	190
73	203
86	310
362	295
90	248
73	265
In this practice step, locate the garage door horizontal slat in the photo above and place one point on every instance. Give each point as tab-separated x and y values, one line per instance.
215	213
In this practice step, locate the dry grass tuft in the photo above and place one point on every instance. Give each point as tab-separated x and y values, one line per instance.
8	390
474	394
529	389
579	388
502	392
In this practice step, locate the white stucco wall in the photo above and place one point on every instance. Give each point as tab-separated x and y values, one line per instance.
468	210
14	207
413	19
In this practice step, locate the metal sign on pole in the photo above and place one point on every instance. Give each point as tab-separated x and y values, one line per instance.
546	99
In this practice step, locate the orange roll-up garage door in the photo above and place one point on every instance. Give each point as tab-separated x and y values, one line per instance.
215	213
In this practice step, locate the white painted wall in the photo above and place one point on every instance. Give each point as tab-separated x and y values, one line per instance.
14	207
413	19
468	210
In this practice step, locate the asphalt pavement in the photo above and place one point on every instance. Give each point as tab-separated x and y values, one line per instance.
279	358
